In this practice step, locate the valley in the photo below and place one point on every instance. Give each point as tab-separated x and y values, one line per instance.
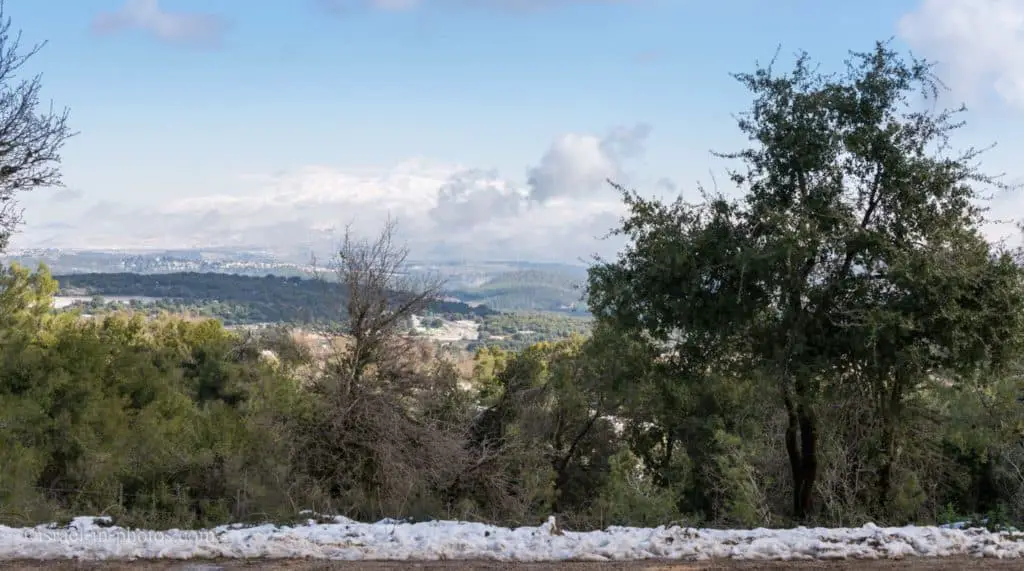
461	316
453	284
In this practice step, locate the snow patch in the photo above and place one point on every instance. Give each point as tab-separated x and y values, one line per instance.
343	539
449	331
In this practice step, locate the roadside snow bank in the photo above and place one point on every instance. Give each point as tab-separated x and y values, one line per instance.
89	539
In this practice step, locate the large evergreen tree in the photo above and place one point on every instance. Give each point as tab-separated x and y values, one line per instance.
854	260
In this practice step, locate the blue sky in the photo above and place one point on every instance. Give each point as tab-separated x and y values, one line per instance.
269	122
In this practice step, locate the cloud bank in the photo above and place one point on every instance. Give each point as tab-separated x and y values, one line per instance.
978	43
556	210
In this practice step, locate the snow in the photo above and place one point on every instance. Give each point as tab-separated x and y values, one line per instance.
459	330
89	538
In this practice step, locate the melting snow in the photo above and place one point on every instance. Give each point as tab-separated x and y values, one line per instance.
94	539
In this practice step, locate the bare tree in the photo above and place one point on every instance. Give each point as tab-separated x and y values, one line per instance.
30	140
381	298
390	430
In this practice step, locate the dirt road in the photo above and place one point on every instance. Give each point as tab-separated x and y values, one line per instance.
910	564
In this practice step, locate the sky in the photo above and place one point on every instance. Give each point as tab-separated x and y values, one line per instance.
487	128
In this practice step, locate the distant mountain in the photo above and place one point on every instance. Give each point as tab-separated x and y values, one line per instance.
205	261
236	299
224	260
532	289
501	284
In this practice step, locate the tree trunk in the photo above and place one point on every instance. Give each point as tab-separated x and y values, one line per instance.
801	446
809	443
885	470
793	449
890	418
562	464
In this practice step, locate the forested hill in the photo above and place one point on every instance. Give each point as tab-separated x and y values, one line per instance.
268	298
538	290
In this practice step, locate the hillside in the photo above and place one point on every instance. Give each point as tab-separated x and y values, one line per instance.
235	299
239	300
500	285
515	331
533	289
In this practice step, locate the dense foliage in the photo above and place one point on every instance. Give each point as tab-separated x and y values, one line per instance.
243	300
522	329
851	282
529	290
235	299
837	345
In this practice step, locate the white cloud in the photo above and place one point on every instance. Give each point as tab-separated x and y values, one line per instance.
473	196
978	43
574	165
185	28
443	210
578	164
347	6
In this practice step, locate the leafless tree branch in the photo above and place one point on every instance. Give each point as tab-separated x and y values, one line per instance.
30	140
382	297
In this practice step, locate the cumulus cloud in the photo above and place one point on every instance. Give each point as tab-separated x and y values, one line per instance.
473	196
193	29
443	211
577	164
978	43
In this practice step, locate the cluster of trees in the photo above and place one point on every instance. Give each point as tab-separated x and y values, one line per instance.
150	420
837	345
246	300
236	299
530	290
851	291
179	422
514	331
229	313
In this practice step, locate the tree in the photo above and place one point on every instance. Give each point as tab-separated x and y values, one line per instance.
30	140
548	425
25	298
854	261
389	427
381	299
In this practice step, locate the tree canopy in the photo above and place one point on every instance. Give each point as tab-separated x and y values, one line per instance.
853	262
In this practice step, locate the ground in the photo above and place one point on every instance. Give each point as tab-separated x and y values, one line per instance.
909	564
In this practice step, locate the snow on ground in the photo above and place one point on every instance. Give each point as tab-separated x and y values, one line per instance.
89	539
460	330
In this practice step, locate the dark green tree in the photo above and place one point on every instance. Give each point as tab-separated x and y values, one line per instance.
853	261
